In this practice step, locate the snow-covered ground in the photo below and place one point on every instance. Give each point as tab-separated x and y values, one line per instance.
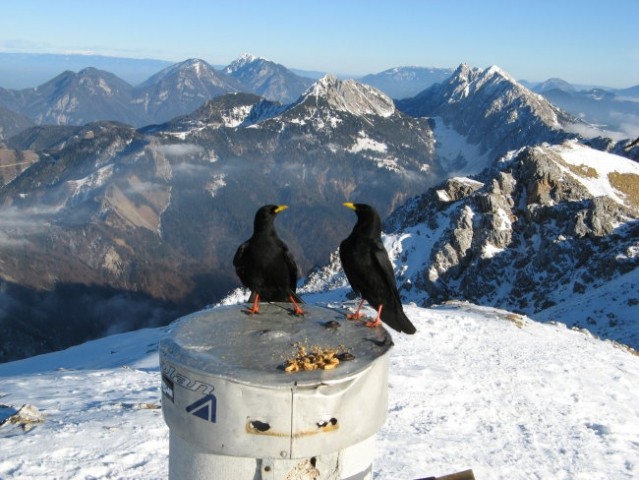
475	388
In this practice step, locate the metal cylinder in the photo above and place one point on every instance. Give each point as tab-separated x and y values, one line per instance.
234	412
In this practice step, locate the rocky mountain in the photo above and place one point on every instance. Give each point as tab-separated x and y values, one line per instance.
27	70
405	82
110	227
268	79
181	88
78	98
14	162
95	95
491	110
147	220
178	88
545	232
12	123
554	84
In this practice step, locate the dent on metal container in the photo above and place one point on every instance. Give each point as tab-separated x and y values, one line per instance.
225	388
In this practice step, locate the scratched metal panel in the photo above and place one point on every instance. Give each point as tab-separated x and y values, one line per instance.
225	389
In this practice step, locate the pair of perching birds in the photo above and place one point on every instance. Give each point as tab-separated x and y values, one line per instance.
266	267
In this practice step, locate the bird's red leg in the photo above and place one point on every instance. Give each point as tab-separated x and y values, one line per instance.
298	309
378	319
356	315
255	308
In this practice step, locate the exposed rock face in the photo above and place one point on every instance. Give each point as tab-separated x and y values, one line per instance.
106	211
536	234
268	79
533	232
159	212
491	109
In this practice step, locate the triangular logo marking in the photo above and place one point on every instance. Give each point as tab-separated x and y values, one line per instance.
204	408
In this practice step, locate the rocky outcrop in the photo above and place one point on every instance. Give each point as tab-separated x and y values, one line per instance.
552	224
491	110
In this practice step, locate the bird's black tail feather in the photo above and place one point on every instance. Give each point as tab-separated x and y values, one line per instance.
397	319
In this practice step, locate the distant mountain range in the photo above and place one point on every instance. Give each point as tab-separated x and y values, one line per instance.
405	82
610	110
106	226
19	71
95	94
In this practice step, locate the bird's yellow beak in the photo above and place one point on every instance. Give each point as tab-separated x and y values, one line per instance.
350	205
281	208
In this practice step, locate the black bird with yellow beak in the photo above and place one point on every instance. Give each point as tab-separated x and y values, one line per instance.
265	265
369	270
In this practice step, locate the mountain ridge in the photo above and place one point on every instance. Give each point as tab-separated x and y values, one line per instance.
548	226
158	211
155	104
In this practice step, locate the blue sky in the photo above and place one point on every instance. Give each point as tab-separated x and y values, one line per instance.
585	42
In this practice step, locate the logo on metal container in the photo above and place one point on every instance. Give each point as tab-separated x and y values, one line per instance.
204	408
167	388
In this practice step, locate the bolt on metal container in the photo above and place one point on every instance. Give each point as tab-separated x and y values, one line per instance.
234	412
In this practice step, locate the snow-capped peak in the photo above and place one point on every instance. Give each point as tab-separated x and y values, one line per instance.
470	79
247	57
495	70
242	61
194	64
351	96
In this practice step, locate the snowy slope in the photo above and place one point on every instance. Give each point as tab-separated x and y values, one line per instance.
474	388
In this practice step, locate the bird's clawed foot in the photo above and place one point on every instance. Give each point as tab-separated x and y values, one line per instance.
378	320
255	307
357	315
297	310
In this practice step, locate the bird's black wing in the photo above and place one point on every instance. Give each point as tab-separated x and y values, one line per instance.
393	314
350	266
291	266
239	262
384	267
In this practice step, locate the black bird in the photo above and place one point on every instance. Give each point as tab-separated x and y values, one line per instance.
265	265
369	270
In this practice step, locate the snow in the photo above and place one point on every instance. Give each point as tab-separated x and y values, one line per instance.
216	183
455	153
236	116
588	161
476	388
489	250
350	96
94	180
613	303
364	142
96	399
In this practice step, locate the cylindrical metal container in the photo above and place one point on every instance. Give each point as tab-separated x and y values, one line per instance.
234	412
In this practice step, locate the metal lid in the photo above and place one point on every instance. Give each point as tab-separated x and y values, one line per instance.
252	349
